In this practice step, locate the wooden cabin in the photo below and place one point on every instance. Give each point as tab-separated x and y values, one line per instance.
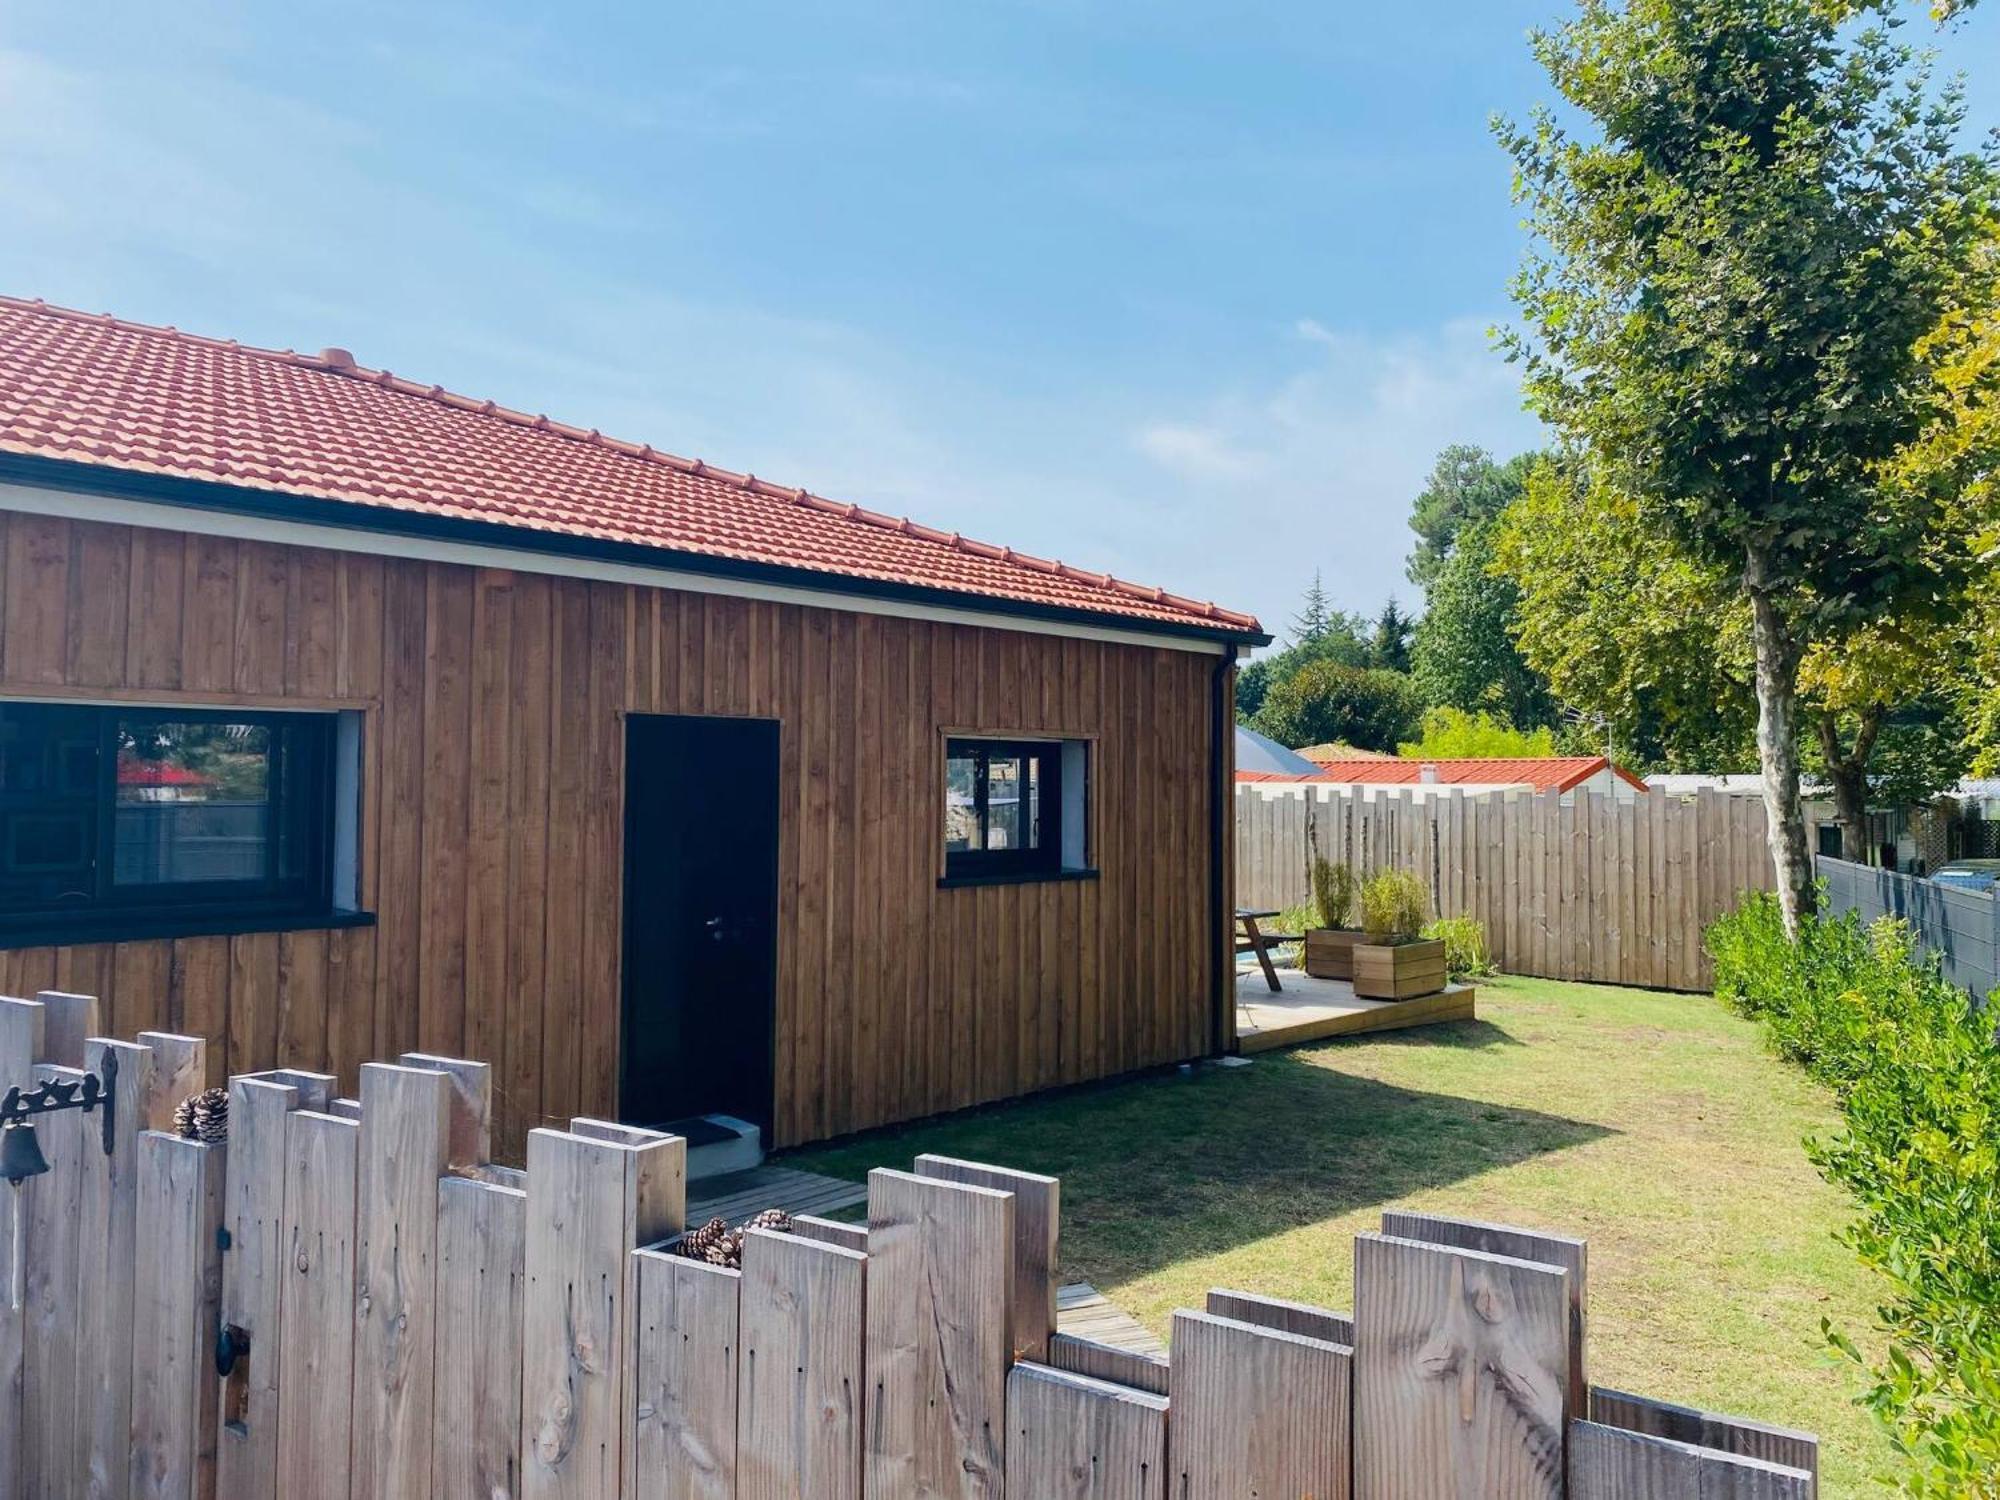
341	716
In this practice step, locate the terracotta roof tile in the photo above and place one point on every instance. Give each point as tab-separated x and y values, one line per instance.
91	388
1544	773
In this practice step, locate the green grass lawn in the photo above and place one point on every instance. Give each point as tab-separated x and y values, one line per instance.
1654	1125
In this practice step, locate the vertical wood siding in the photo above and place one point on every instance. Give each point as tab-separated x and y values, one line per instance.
492	823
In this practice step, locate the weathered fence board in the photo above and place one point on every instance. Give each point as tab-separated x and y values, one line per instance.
1070	1437
252	1276
801	1379
405	1130
937	1384
1287	1317
1461	1373
53	1208
685	1378
107	1238
1592	889
177	1296
482	1248
1705	1429
1609	1463
1566	1251
1101	1361
1257	1412
316	1355
21	1023
590	1204
1037	1227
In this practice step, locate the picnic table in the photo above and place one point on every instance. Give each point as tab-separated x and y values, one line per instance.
1250	938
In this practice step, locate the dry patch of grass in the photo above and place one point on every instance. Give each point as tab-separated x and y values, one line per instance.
1655	1125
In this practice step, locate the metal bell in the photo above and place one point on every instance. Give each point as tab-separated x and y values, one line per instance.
20	1153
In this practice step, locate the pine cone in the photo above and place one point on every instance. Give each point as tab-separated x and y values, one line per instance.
698	1244
772	1218
203	1116
211	1116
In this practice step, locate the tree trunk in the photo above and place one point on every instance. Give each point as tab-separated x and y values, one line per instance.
1778	743
1848	774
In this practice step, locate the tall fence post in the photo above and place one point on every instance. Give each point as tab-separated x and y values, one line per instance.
20	1045
177	1298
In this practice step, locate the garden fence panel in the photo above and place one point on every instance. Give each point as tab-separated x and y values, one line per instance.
574	1353
1961	927
1585	887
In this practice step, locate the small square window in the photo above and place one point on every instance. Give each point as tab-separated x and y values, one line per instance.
1013	807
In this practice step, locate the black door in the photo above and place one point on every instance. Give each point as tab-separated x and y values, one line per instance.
701	899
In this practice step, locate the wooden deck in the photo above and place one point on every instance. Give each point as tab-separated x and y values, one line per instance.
1311	1010
1082	1310
740	1196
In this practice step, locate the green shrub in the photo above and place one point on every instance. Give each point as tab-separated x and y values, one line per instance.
1333	893
1392	907
1464	940
1916	1070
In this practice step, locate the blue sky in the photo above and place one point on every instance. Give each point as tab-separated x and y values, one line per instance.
1189	292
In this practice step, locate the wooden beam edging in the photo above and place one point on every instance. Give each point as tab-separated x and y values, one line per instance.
1287	1317
1076	1355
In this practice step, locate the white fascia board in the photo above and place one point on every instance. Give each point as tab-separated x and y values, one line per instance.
30	499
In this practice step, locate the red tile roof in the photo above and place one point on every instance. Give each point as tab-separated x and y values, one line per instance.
1554	773
93	389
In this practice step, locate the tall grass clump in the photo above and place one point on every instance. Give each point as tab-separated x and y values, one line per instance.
1915	1068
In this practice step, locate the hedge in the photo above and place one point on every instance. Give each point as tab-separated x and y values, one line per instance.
1915	1068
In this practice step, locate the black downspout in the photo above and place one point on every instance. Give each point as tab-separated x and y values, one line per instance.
1222	931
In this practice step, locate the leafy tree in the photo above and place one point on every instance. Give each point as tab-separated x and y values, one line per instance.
1464	655
1731	285
1466	487
1328	700
1454	734
1389	642
1621	623
1319	633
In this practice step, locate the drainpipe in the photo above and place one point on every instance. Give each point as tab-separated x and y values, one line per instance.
1222	930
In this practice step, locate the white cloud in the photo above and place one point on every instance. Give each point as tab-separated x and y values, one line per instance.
1341	444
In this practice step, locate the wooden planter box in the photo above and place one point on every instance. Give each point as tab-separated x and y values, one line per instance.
1330	952
1399	971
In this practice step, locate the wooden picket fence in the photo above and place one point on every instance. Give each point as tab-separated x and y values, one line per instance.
408	1319
1597	889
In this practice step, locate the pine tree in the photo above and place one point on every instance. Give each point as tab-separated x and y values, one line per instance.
1315	616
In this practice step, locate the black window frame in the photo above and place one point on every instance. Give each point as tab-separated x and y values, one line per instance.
1043	860
299	806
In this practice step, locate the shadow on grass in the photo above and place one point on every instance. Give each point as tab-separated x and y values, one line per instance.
1468	1035
1162	1168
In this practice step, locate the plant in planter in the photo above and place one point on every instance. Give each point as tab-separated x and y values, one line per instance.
1393	961
1330	945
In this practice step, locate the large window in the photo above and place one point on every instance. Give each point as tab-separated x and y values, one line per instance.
108	810
1014	808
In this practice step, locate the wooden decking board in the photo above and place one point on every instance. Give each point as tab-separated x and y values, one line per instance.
1311	1010
740	1196
1084	1311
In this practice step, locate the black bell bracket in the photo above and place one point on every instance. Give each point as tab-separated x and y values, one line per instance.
90	1092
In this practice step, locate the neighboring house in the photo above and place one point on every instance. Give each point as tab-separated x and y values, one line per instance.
1558	774
667	790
